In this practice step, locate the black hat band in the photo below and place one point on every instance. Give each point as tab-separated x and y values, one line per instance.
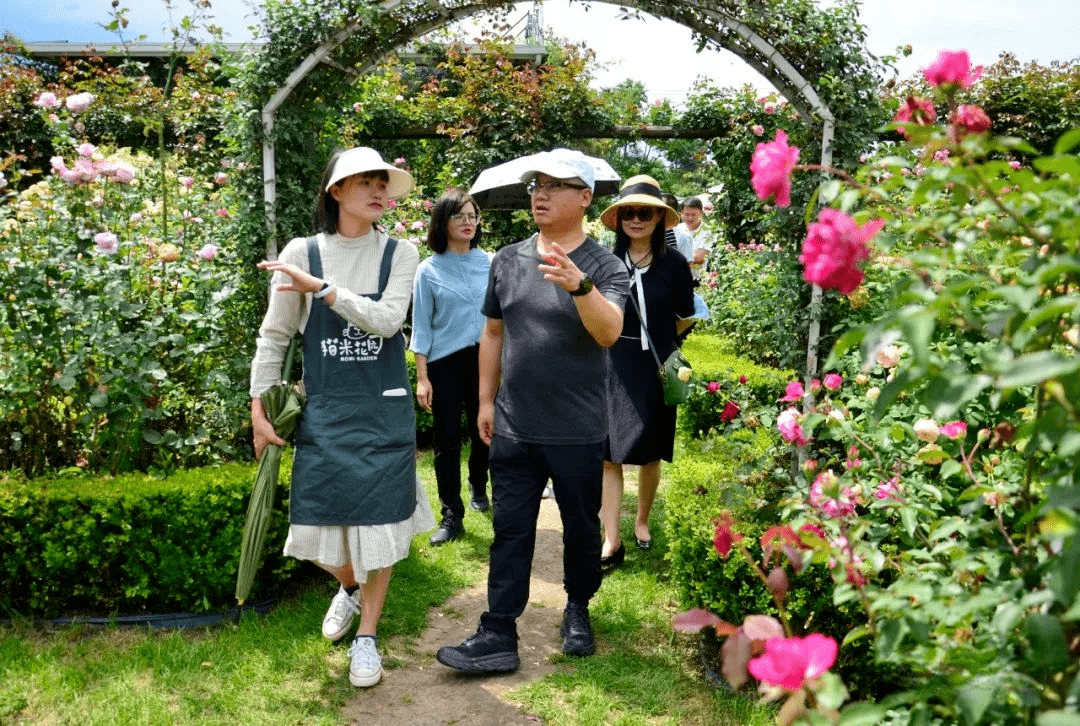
642	188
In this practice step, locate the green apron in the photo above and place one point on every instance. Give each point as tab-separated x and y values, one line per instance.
355	461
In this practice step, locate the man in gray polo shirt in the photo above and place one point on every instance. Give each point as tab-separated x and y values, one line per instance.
554	302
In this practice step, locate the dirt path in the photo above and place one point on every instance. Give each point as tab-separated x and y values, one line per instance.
422	692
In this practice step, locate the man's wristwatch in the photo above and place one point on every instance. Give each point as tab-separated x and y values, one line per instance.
584	288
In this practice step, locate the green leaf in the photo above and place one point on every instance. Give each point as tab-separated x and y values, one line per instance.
862	713
949	468
1068	141
1034	368
909	518
1047	638
974	697
1006	618
98	399
829	191
151	437
1063	165
66	382
1058	718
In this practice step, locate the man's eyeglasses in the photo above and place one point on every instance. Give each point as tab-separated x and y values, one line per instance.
552	186
645	214
470	218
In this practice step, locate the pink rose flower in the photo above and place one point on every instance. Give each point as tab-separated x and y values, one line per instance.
916	109
771	168
888	490
79	102
417	225
830	497
724	537
106	243
834	247
1014	164
833	381
399	161
952	69
187	181
47	99
86	150
941	155
789	423
223	213
122	172
399	227
220	178
57	163
712	386
730	412
888	356
971	119
757	129
743	379
208	251
791	662
954	430
815	385
769	108
793	392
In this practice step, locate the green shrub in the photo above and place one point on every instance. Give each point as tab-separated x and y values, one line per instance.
133	543
714	360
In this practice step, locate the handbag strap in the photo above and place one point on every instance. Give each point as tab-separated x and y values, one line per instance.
645	328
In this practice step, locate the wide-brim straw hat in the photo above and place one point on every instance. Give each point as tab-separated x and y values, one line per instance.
639	191
363	159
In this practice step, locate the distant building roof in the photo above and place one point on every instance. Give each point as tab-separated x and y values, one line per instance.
110	49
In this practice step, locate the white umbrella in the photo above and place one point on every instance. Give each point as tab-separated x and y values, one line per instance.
500	186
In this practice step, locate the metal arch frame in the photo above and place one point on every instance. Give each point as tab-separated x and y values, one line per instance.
791	81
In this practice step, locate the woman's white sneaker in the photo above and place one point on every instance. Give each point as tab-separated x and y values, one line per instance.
339	618
365	665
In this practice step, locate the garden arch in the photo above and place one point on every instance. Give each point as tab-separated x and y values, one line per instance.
368	31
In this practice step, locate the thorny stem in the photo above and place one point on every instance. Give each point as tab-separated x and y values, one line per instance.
860	586
781	610
1020	221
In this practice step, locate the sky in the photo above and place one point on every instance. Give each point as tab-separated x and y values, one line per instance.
659	53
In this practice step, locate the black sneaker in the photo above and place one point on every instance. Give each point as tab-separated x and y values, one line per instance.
577	631
483	652
450	528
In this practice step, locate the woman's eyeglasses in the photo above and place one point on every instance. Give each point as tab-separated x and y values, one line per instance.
645	214
552	186
469	218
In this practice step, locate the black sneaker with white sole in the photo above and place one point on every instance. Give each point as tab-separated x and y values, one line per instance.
483	652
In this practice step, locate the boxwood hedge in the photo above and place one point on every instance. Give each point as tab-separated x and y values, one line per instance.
79	545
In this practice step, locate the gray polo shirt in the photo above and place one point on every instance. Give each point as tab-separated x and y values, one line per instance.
552	387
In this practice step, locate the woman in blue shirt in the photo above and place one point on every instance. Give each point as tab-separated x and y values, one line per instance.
447	293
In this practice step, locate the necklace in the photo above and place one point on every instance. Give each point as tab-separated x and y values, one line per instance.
642	261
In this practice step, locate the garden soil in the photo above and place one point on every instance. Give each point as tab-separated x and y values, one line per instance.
419	691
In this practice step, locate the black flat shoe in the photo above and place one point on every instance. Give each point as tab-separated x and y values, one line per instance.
643	544
615	558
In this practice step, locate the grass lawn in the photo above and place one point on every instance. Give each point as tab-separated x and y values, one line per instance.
277	668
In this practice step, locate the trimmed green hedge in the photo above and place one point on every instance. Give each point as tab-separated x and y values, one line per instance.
133	543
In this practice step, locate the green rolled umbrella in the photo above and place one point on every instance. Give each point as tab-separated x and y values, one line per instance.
283	404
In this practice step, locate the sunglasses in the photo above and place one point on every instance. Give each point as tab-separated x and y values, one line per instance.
645	214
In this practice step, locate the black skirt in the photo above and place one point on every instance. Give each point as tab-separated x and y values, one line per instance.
641	427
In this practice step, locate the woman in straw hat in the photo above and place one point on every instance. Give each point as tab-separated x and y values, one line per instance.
356	501
641	427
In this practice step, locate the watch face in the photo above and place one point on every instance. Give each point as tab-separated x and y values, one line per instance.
585	286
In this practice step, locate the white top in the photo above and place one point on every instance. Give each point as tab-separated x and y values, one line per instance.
353	265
